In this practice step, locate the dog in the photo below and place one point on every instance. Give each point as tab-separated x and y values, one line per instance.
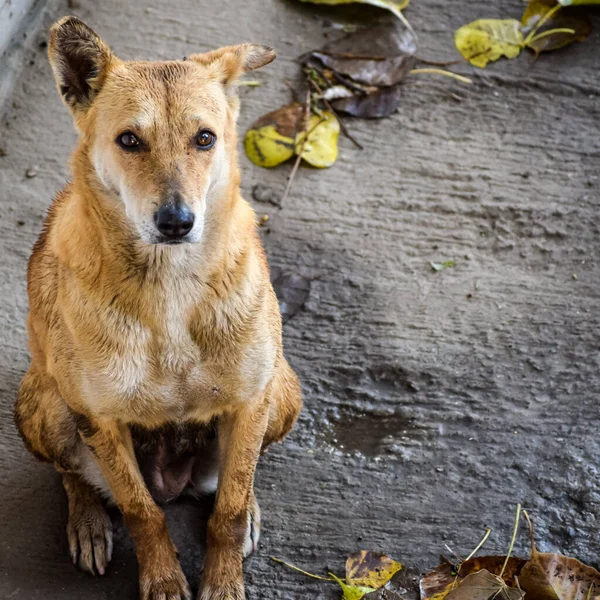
154	331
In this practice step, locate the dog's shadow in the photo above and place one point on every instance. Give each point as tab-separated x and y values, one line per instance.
34	556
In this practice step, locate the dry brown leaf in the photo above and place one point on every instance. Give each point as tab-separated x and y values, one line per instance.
436	584
550	576
484	586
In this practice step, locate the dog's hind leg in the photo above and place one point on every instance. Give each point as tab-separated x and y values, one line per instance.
49	432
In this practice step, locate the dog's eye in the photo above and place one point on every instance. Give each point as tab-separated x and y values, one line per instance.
128	141
205	139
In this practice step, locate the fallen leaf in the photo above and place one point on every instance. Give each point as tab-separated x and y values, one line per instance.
321	146
443	579
352	592
394	7
483	585
382	103
370	569
443	265
375	56
292	291
364	69
486	40
550	576
559	27
402	586
271	140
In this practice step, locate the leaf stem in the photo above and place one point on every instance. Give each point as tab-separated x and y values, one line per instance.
282	562
535	38
541	22
488	531
512	541
441	72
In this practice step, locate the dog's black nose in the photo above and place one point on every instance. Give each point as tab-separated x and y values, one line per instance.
174	220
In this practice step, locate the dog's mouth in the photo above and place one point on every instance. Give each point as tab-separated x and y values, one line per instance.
171	241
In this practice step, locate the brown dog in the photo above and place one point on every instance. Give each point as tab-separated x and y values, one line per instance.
154	332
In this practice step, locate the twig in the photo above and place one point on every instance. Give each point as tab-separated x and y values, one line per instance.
299	157
441	72
458	556
342	125
282	562
531	538
353	56
512	541
441	63
340	78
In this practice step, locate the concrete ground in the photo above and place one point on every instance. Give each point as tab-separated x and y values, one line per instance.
434	401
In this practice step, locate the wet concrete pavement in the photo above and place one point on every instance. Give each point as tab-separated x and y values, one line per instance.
434	402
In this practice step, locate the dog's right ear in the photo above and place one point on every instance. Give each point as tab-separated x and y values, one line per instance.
80	61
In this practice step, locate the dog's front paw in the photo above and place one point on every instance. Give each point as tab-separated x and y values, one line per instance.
227	591
89	532
171	585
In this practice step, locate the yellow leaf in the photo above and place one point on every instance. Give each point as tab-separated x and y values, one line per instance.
487	40
266	147
352	592
370	569
321	147
270	140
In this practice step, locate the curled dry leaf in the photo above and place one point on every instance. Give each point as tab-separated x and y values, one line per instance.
559	28
549	576
370	569
486	40
437	584
375	56
368	64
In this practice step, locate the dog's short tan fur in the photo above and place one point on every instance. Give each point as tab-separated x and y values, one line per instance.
125	332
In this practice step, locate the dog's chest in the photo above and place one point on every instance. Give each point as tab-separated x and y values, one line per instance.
153	368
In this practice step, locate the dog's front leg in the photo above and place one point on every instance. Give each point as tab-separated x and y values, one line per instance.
233	525
161	577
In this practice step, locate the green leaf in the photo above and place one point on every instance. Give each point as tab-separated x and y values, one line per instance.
321	148
486	40
443	265
352	592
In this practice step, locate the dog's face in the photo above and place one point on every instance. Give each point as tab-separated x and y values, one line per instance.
160	135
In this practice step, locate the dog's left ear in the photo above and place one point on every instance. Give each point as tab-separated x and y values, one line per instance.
230	62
